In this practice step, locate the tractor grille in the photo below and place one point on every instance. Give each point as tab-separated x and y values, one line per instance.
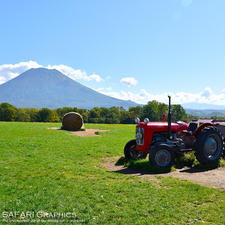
140	136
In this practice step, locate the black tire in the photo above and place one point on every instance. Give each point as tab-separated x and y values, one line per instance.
131	152
161	156
209	145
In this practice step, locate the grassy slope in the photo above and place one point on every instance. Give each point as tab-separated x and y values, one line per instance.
50	170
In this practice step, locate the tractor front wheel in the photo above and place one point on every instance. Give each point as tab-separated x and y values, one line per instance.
131	152
209	145
161	156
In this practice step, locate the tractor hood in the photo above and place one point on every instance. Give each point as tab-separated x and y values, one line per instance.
163	126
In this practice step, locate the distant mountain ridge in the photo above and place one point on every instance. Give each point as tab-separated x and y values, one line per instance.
204	110
203	106
206	113
50	88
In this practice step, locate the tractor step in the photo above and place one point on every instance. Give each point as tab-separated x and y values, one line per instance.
186	150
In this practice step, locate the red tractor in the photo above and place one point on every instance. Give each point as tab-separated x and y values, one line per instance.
164	140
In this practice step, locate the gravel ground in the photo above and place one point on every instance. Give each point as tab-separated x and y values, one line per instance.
210	178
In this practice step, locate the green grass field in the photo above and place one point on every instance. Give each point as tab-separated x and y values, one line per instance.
51	171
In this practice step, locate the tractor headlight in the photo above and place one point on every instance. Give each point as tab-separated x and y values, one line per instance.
137	120
146	120
140	136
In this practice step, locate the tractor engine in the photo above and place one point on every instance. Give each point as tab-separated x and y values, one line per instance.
150	133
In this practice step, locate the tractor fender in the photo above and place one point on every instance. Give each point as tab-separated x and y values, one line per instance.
198	130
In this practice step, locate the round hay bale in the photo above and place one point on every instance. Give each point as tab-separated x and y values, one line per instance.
72	121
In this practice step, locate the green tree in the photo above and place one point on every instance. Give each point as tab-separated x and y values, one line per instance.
84	114
48	115
178	113
113	117
62	111
22	115
126	117
151	111
135	112
33	114
94	115
162	110
104	112
7	112
95	112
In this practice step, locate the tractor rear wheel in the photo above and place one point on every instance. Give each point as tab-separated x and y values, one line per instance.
161	156
131	152
209	145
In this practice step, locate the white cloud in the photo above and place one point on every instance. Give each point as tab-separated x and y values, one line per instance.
2	80
103	89
207	92
76	74
9	71
95	77
129	81
206	96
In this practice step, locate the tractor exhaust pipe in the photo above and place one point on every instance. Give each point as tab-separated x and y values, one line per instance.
169	118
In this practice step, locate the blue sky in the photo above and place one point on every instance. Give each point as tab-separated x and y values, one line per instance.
138	50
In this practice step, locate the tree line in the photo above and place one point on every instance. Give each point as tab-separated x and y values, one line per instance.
114	115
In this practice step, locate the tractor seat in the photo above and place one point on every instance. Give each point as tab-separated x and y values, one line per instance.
191	128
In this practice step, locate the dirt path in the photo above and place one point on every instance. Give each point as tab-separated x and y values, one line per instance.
83	133
210	178
88	132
